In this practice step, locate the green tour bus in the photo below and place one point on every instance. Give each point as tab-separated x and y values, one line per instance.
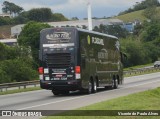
76	59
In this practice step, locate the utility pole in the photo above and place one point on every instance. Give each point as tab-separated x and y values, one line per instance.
89	16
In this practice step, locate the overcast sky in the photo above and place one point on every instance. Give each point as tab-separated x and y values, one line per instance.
77	8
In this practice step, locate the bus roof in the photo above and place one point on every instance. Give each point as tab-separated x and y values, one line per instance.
84	30
97	33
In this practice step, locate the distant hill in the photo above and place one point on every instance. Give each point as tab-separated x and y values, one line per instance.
129	17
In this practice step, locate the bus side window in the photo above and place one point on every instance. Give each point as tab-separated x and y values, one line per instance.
83	60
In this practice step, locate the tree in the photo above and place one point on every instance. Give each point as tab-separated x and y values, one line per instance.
16	64
40	14
11	8
151	31
152	50
74	18
17	70
30	36
8	53
150	12
59	17
135	51
21	18
115	30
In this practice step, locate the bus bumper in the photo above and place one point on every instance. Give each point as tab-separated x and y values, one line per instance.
70	85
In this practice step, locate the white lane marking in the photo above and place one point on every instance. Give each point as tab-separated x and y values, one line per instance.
87	95
50	103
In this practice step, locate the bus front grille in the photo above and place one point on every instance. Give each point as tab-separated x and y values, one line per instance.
58	60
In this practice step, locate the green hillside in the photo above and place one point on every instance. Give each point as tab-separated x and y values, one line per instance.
133	15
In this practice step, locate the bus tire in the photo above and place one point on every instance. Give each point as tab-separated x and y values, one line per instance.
90	89
115	83
55	92
95	87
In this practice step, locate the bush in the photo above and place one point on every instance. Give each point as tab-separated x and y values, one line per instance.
16	64
4	78
17	70
136	52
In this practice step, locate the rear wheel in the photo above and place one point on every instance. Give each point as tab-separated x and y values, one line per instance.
65	92
94	87
55	92
89	87
115	83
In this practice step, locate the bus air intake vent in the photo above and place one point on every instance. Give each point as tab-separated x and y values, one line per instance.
58	60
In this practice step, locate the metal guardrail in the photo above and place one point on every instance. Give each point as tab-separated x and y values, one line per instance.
141	71
24	84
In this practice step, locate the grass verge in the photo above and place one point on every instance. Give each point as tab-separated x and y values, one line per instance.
19	90
148	100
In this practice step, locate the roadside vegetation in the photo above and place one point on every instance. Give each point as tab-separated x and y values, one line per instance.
148	100
16	64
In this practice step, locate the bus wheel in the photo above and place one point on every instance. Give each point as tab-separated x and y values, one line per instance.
55	92
65	92
95	87
90	87
115	83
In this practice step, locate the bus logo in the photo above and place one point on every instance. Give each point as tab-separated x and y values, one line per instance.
59	35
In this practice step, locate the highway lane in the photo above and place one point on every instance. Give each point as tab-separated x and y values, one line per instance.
45	100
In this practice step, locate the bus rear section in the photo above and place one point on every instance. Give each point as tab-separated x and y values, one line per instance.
58	55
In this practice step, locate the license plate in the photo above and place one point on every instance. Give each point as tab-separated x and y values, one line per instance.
59	75
56	78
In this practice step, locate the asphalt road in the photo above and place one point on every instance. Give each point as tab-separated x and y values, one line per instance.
45	100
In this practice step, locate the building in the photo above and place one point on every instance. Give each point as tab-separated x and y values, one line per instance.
129	27
15	30
10	42
5	15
